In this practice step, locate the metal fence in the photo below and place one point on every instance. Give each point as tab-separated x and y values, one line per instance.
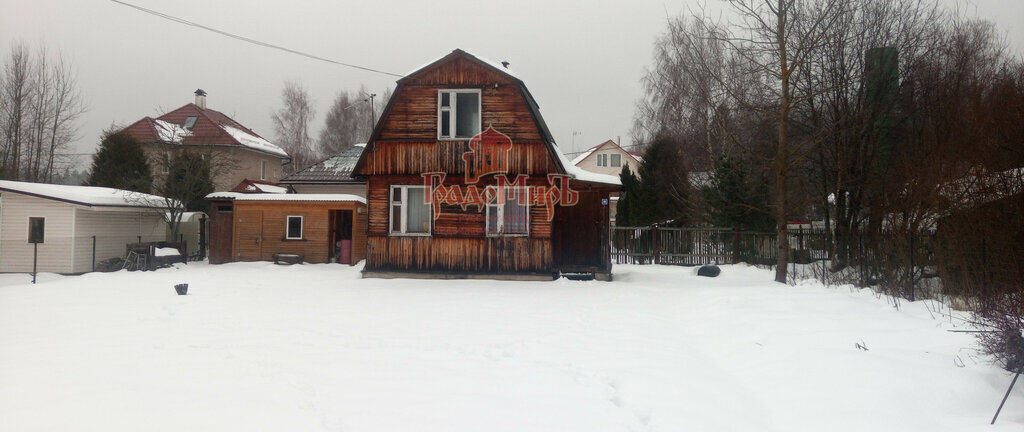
899	264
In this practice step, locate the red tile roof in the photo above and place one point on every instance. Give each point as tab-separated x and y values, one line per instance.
209	129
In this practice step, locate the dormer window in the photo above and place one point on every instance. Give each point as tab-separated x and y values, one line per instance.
458	114
190	122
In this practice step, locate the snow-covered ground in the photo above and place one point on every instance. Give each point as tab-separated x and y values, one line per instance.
259	347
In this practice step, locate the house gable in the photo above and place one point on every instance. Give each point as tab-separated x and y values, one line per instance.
411	119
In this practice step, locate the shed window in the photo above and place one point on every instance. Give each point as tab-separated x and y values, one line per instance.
510	218
36	229
294	228
410	212
616	160
458	114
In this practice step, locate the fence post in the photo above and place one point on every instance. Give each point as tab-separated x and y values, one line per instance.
654	244
735	245
911	274
202	237
94	253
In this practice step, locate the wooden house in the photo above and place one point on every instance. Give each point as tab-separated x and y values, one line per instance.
464	180
70	229
315	228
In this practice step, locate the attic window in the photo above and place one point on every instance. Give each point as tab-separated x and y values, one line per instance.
190	122
616	160
458	114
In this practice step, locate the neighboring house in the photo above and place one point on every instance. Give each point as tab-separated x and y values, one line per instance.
464	180
257	226
331	175
609	158
235	151
75	226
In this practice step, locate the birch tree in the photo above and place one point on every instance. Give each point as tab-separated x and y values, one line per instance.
291	124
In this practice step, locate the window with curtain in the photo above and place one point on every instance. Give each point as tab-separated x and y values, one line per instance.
511	218
410	214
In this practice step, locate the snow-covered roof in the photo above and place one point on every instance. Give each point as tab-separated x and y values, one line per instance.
92	196
265	188
581	174
238	196
170	132
494	64
576	160
335	169
253	142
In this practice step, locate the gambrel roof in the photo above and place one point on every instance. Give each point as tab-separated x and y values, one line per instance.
430	73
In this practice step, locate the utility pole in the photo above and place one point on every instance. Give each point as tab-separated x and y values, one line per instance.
373	116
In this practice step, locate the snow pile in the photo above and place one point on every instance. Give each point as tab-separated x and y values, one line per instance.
166	251
254	142
254	346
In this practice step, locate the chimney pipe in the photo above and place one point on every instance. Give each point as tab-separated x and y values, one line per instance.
201	98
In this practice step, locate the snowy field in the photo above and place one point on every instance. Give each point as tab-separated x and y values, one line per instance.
259	347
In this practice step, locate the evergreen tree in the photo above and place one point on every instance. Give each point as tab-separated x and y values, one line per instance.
624	213
664	195
185	187
120	163
736	198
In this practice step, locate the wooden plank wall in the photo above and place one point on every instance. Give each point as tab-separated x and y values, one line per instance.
266	221
417	157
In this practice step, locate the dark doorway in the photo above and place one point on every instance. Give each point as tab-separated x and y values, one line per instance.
341	233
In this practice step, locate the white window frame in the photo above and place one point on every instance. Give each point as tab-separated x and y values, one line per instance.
402	228
602	160
616	160
453	112
263	169
500	209
288	224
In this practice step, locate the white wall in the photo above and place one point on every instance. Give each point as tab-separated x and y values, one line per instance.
114	228
54	254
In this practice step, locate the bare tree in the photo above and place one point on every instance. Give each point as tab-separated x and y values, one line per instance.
351	119
14	101
291	124
39	105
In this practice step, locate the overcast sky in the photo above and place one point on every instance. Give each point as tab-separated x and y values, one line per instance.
581	59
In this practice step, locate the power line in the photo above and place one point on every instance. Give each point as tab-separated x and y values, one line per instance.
249	40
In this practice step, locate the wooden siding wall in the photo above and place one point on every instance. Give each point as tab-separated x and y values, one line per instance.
259	230
414	158
457	243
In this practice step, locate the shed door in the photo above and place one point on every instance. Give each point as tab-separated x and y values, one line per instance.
248	235
576	234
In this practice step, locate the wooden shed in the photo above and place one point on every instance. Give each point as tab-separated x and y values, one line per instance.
320	228
464	180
